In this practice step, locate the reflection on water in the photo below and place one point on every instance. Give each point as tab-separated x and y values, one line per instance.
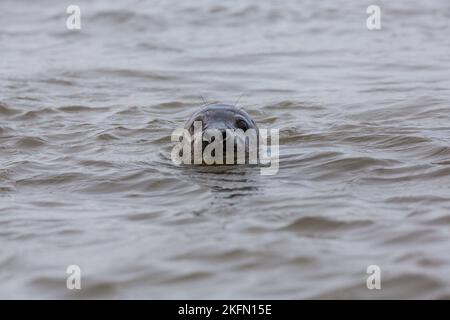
85	170
226	182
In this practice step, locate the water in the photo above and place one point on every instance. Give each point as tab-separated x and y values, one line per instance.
85	170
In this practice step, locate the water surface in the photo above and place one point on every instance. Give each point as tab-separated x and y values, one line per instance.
85	170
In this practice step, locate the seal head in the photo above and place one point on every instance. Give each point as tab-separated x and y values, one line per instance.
223	118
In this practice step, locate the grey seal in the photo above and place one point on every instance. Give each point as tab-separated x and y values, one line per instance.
224	118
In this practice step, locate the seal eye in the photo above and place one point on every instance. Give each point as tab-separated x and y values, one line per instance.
241	124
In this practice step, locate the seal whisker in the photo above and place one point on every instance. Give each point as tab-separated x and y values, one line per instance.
237	101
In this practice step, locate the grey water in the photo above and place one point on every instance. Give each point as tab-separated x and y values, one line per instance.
86	177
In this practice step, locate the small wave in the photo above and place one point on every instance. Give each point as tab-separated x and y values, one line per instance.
106	137
138	74
404	286
186	277
387	141
4	130
411	176
93	288
441	221
171	105
417	199
53	179
7	111
5	189
62	82
33	114
321	224
411	237
75	108
293	134
97	163
30	142
118	16
295	105
441	151
158	47
353	163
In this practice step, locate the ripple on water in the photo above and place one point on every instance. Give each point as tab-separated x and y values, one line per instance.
408	286
34	114
322	224
7	111
30	142
79	109
86	176
106	137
